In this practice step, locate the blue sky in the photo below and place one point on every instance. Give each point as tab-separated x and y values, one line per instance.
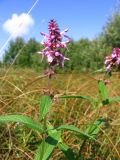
84	18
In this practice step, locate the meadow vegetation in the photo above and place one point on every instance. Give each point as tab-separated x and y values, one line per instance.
18	96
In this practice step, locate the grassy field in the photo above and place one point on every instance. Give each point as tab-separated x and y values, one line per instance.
20	93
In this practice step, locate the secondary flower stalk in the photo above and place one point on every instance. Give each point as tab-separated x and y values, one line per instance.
113	60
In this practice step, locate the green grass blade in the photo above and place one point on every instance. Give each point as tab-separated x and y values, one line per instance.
45	105
22	119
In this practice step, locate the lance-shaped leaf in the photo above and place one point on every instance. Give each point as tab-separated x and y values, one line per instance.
66	150
102	70
95	128
88	98
82	134
45	105
114	99
62	146
47	146
102	90
22	119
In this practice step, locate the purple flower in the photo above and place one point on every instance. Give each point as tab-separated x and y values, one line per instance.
118	61
113	60
53	44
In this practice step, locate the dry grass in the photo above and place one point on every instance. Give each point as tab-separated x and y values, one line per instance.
18	95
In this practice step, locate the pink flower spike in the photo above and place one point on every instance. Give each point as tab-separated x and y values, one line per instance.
50	58
113	60
108	60
68	38
44	34
53	44
118	61
40	52
58	45
57	53
108	68
64	58
66	30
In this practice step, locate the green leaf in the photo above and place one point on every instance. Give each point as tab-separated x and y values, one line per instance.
114	99
111	100
103	90
79	96
22	119
82	134
94	129
45	149
102	70
51	130
45	105
105	102
66	150
62	146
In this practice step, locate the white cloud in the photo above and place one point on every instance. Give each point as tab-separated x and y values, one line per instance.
18	25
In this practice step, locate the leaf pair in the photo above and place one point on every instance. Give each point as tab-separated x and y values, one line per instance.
45	149
47	146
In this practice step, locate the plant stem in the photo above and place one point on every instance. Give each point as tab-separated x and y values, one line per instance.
45	123
45	126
